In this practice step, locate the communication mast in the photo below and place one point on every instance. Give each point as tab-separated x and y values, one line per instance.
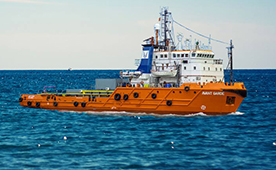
166	30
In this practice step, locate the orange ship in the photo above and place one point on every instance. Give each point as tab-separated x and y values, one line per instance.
170	79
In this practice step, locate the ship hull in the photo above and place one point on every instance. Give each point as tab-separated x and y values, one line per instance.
190	98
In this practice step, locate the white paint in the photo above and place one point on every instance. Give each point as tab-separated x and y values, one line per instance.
145	55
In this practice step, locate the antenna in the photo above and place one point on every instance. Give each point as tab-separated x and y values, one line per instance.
231	60
179	44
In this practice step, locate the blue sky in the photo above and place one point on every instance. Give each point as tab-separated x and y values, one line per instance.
50	34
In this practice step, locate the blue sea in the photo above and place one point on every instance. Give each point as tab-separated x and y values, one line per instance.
46	139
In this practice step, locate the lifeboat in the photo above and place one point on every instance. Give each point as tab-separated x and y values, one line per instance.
164	73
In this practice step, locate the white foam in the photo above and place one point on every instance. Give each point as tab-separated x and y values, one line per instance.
236	113
123	113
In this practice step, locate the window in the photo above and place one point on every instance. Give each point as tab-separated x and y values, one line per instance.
174	55
178	55
186	55
203	68
182	55
184	68
194	67
216	69
185	61
165	55
208	68
193	54
220	69
156	56
167	65
161	56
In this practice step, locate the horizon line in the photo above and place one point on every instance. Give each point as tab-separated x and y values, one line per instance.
11	69
2	69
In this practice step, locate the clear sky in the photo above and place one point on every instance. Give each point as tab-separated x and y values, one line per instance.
93	34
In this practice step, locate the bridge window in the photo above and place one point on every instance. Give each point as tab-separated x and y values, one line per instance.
165	55
174	55
186	55
161	56
178	55
182	55
193	54
185	61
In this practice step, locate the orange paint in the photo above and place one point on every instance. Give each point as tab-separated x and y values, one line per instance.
211	99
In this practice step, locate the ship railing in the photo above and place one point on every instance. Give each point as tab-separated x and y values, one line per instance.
194	47
137	62
131	73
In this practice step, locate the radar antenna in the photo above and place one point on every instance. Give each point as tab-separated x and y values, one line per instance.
179	45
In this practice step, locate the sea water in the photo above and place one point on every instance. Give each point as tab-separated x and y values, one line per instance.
46	139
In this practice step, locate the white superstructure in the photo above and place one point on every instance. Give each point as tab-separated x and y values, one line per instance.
164	63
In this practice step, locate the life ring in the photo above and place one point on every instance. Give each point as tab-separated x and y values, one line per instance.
83	104
55	104
187	88
125	97
20	99
37	104
153	95
76	104
169	102
135	95
29	103
117	96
